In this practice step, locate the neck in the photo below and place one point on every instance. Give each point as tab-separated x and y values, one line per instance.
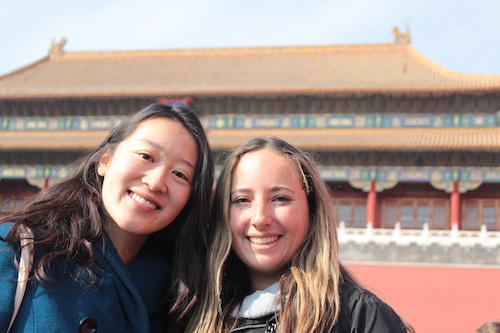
127	245
262	281
128	252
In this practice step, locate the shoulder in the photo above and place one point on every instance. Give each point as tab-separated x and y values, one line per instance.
362	311
8	276
6	250
5	228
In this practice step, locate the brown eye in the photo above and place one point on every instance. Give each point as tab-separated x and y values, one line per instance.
282	198
147	157
240	200
180	175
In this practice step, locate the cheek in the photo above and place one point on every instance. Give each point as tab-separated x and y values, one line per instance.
182	195
298	224
237	242
235	221
304	231
237	229
233	225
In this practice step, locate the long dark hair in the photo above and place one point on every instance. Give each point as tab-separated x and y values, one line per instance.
68	217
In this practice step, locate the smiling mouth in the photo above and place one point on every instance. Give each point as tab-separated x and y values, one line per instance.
263	240
143	201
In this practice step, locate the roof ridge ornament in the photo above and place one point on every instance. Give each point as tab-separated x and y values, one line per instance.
56	49
401	38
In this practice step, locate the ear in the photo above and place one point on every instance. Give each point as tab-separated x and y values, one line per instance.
104	161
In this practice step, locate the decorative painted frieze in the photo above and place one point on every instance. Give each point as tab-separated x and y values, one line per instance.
264	121
59	123
350	121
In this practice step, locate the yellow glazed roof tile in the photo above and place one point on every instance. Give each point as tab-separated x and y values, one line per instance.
342	69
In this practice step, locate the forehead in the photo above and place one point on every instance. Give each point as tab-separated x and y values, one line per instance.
158	123
161	129
165	134
266	164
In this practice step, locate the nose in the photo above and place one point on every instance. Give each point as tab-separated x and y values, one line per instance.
156	179
261	215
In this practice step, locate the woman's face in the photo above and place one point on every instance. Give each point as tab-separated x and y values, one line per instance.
148	177
269	215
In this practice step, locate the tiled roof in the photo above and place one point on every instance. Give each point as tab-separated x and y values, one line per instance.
407	139
50	140
362	139
343	69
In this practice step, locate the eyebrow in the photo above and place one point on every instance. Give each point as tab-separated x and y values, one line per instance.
274	188
277	188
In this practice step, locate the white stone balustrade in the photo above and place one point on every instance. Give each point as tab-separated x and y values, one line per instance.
422	237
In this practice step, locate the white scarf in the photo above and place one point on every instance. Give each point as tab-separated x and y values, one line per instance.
259	303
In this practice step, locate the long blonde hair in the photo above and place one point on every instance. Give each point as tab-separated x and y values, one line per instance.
310	300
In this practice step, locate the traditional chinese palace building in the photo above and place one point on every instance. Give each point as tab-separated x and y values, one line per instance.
401	141
410	149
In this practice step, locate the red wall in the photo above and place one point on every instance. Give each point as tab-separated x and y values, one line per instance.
436	299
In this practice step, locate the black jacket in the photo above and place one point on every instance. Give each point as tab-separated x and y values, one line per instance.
360	312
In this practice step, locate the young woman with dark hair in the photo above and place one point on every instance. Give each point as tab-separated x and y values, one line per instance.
104	237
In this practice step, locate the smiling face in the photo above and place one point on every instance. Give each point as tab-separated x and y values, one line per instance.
147	179
269	215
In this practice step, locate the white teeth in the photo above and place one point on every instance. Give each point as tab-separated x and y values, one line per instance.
263	240
143	201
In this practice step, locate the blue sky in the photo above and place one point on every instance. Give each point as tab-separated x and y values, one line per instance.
460	35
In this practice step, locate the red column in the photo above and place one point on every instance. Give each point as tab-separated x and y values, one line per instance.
455	206
371	206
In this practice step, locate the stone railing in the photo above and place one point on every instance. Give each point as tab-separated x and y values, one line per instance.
424	246
423	236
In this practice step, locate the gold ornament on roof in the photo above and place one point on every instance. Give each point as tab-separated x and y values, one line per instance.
401	38
56	49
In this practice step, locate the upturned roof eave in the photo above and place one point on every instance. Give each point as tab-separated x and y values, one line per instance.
460	83
359	92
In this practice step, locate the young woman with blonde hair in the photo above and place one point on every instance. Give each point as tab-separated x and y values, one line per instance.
273	263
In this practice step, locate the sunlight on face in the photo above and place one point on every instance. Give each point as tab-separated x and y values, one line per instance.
147	179
269	214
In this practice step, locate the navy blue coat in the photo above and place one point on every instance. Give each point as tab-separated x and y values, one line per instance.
123	299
